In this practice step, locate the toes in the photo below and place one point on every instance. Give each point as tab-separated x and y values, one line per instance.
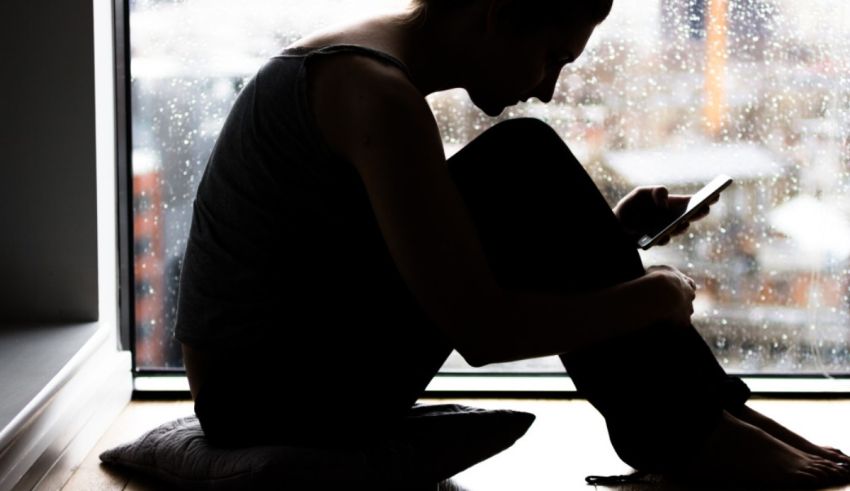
803	478
807	479
822	467
843	468
838	453
836	450
830	472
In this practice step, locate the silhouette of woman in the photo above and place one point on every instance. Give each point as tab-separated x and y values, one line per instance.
336	256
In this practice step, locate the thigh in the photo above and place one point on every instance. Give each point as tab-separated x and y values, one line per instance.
289	391
542	221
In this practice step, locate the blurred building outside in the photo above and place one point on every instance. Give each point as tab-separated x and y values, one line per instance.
674	95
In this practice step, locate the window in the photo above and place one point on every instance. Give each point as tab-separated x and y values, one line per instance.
668	92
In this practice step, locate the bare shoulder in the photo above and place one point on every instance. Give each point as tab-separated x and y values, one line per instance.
359	100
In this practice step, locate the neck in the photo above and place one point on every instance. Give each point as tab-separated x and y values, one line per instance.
433	52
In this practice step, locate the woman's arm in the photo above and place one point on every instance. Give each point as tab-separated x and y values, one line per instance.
541	324
372	115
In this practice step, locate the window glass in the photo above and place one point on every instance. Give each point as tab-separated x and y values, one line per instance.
668	92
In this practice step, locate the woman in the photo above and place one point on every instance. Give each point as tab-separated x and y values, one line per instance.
335	256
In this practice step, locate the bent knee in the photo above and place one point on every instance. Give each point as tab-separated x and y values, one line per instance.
532	136
528	127
528	149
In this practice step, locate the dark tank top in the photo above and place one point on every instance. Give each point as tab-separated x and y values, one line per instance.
284	246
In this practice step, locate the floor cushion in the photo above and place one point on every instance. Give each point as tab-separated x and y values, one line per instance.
435	443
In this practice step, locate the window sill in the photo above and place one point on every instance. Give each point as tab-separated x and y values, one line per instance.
542	386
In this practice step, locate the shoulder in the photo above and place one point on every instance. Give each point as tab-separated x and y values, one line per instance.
357	98
336	75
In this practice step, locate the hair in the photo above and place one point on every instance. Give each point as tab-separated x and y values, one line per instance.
529	15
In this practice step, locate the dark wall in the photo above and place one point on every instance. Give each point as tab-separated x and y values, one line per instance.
48	215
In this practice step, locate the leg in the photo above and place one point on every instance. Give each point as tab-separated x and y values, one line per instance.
662	392
531	201
544	225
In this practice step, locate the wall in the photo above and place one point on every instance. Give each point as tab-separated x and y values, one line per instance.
48	196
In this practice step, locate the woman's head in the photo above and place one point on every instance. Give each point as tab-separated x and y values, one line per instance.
517	48
528	15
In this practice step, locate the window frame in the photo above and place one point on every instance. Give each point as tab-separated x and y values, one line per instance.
123	150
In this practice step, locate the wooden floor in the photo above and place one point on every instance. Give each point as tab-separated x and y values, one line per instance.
567	442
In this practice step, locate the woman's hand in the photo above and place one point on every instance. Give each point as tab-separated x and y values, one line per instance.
648	209
677	292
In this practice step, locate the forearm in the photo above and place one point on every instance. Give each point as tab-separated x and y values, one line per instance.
533	324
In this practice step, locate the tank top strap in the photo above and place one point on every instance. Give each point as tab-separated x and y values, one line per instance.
304	51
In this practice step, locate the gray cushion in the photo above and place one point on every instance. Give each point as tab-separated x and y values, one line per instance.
435	443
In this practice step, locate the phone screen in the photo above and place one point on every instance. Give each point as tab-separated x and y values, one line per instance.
699	198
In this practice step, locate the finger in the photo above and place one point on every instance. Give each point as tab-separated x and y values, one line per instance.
659	196
677	203
681	228
701	213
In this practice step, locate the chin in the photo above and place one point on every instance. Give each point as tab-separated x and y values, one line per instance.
493	111
489	108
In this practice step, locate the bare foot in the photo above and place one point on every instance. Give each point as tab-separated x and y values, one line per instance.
775	429
739	453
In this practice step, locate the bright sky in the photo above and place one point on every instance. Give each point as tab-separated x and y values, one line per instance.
166	34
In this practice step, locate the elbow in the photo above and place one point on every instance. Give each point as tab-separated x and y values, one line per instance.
476	345
472	345
481	347
486	336
475	359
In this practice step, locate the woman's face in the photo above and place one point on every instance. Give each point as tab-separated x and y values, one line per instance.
515	68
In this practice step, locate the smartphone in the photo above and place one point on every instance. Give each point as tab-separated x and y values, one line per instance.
707	193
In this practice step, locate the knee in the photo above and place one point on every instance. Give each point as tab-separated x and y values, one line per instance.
530	147
531	129
531	135
520	144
